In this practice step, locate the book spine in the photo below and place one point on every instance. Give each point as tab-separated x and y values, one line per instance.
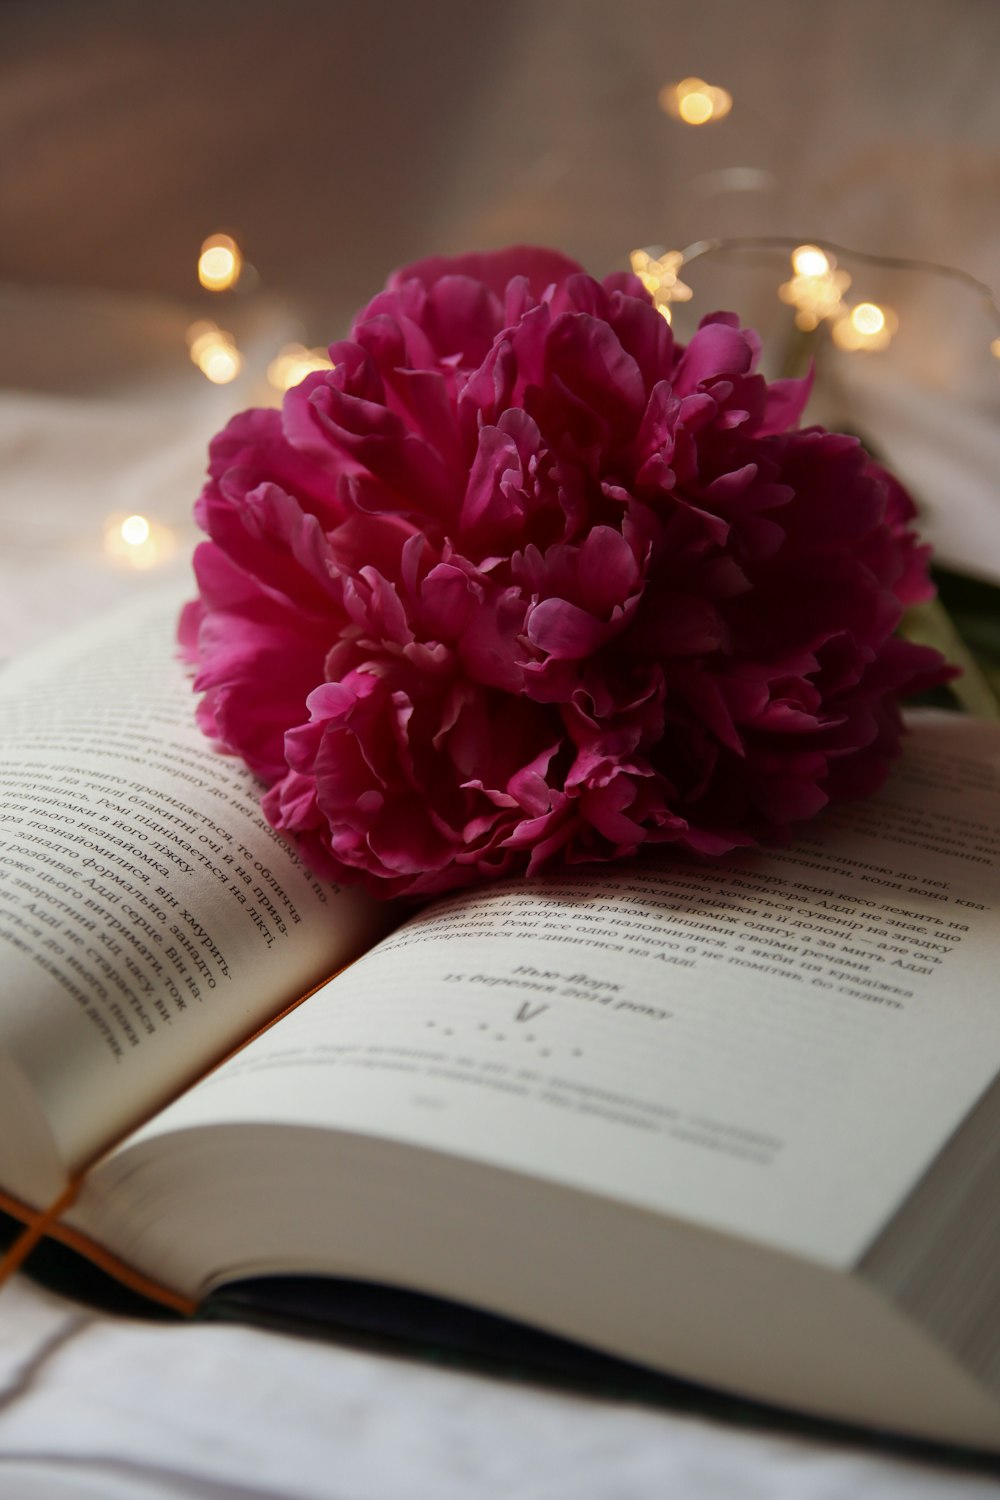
48	1224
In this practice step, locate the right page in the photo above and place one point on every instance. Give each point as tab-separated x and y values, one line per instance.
774	1046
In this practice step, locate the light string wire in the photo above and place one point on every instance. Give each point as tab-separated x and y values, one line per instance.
985	293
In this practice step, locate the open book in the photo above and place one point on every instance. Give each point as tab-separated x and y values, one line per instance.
737	1122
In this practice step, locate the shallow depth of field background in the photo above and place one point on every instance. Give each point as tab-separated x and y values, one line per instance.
336	139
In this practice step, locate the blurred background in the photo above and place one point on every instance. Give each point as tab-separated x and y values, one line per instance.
331	140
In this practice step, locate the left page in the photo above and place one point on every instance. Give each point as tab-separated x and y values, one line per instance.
149	918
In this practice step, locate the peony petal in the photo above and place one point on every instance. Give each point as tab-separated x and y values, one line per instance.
585	356
608	572
565	631
494	268
718	349
448	598
786	401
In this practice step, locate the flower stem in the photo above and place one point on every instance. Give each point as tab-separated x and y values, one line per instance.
930	624
800	350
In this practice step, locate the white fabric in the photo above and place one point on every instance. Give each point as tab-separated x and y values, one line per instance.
119	1408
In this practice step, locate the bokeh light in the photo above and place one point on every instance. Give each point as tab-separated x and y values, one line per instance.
867	326
214	352
694	101
137	541
293	363
219	263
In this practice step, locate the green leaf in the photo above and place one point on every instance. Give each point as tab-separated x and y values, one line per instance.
977	690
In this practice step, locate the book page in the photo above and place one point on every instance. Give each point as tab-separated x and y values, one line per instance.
773	1046
149	918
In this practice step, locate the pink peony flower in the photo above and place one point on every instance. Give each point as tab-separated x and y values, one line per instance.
523	580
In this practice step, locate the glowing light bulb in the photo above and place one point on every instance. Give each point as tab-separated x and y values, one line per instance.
214	352
136	542
866	327
135	530
695	108
220	263
810	260
868	318
659	275
694	101
995	348
816	290
220	364
293	363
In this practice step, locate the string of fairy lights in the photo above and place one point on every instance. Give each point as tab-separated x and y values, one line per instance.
818	290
